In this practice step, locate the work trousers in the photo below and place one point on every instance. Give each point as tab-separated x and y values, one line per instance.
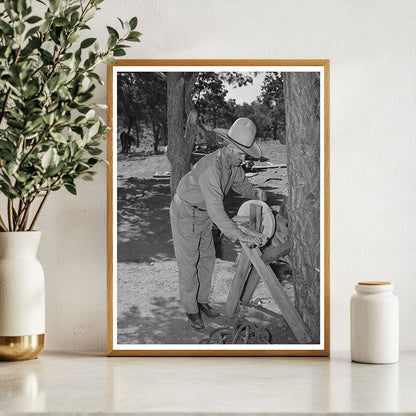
194	251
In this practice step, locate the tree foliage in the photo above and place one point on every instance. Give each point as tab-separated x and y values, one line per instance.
50	134
141	100
272	96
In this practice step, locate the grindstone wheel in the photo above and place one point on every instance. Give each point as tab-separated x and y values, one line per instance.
267	217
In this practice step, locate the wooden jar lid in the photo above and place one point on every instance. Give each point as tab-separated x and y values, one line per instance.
374	283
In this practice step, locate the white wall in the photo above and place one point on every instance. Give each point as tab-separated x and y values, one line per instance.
371	45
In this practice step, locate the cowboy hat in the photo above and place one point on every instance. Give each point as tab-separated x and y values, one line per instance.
242	134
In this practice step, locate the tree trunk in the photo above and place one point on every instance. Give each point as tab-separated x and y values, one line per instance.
137	127
156	136
180	140
302	92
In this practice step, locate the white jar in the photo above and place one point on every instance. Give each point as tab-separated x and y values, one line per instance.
374	323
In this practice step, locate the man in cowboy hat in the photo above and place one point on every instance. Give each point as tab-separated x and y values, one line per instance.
198	203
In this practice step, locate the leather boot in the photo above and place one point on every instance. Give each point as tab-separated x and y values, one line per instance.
208	311
196	320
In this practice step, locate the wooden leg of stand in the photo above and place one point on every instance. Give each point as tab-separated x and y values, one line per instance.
270	254
279	295
252	282
237	285
253	278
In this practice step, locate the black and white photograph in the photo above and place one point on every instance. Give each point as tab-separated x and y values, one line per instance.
218	210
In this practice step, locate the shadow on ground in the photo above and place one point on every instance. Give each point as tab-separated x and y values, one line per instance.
169	325
143	224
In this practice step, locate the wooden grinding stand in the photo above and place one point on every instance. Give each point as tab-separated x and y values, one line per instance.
254	264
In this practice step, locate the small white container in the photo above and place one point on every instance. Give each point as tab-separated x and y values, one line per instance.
374	323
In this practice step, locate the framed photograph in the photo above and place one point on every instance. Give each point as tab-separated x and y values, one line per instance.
218	208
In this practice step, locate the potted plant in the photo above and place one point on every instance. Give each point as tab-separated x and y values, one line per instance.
50	136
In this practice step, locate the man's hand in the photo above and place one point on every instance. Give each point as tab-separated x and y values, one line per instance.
252	240
261	195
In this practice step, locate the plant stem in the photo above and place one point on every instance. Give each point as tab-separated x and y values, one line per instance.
26	216
3	109
39	209
20	214
10	213
2	224
17	217
32	149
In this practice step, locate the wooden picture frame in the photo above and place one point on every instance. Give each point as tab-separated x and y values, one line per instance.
144	317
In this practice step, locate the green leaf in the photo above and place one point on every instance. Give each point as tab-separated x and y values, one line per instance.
112	41
94	129
63	41
86	176
87	42
20	27
110	60
54	4
90	115
33	19
70	188
31	31
60	138
74	18
31	90
92	161
21	6
119	52
82	98
10	7
53	83
35	125
94	151
21	177
11	168
134	36
52	171
112	31
73	38
48	118
47	158
67	153
6	29
61	21
121	22
133	23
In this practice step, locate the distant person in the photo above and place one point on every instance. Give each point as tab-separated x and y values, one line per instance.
198	203
126	142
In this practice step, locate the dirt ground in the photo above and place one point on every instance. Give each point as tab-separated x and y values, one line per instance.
148	310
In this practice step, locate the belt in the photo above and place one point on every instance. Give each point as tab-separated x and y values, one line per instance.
178	199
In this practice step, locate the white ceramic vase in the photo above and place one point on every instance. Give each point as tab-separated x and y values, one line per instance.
22	296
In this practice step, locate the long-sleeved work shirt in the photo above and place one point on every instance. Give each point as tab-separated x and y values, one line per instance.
206	185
